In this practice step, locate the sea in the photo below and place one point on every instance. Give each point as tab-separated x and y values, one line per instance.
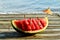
29	6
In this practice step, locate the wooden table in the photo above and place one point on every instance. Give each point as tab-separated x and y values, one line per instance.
8	33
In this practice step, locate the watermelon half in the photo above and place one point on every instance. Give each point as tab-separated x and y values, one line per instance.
33	25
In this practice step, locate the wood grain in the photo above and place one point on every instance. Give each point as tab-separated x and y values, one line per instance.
8	33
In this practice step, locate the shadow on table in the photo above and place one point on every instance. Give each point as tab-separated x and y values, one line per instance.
13	35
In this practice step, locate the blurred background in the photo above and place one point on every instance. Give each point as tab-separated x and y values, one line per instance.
28	5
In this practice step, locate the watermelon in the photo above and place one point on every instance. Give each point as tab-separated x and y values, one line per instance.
30	25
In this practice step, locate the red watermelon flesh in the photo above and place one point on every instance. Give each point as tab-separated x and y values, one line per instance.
18	24
30	25
27	26
36	25
43	21
39	23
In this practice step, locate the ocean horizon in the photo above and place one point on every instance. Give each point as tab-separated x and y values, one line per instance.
28	6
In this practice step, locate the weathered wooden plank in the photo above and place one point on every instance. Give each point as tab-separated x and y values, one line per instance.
8	19
37	36
28	39
26	15
55	14
53	33
47	30
55	27
6	30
